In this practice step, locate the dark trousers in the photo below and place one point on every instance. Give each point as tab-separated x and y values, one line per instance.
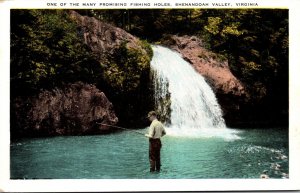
154	154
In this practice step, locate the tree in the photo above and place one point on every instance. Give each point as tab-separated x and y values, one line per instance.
46	50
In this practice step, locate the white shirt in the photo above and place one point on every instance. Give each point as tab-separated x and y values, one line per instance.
156	130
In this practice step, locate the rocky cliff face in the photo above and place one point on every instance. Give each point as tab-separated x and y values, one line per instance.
76	109
104	39
229	90
125	63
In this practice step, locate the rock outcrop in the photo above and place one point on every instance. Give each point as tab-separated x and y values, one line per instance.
125	63
76	109
103	38
210	65
229	90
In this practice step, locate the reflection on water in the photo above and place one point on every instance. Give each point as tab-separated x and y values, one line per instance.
124	155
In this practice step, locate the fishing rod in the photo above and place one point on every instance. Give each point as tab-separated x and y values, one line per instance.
121	128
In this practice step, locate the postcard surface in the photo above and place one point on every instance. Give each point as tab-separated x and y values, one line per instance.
149	96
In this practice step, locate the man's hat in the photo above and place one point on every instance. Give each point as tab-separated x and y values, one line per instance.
152	113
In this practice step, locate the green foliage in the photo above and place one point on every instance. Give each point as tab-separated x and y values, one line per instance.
213	25
151	24
123	72
126	78
256	42
46	51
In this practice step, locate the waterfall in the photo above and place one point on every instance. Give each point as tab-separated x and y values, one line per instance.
194	107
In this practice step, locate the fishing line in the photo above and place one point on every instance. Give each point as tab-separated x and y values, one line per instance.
122	128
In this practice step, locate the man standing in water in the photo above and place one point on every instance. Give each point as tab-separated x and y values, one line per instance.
156	131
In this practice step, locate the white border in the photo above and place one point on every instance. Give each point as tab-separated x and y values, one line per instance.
293	183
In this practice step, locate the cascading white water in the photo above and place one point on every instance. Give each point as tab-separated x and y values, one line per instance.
194	107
